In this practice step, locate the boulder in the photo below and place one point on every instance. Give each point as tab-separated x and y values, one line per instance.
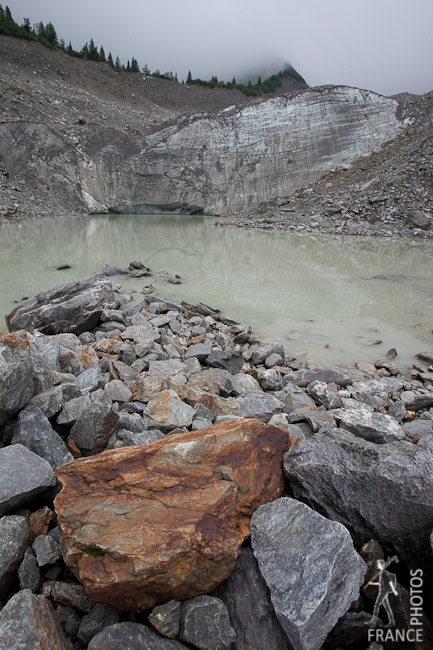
13	541
166	618
29	574
259	405
304	377
132	635
215	380
166	368
199	350
95	424
72	307
310	566
144	525
23	475
246	597
418	219
28	622
376	427
382	492
226	360
265	351
101	617
205	623
34	431
168	411
17	386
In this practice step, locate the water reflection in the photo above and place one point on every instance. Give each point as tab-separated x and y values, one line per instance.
331	289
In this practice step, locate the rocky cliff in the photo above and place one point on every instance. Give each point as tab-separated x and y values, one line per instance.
80	137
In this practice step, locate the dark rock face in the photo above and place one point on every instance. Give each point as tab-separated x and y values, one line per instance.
28	621
13	540
205	623
72	307
15	369
246	597
377	491
23	475
34	431
132	635
310	566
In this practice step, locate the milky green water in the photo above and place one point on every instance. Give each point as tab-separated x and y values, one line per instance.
317	294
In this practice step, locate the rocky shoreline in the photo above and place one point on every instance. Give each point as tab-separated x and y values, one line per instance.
170	481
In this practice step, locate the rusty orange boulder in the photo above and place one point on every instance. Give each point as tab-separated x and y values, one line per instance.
142	525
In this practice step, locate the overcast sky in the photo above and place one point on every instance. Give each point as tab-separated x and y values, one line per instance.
382	45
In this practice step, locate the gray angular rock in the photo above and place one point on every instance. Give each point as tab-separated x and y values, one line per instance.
247	383
252	616
225	359
101	617
166	618
34	431
132	421
23	475
269	379
94	426
304	377
132	635
29	574
72	595
381	492
16	369
117	391
72	307
51	401
115	315
91	378
168	411
418	219
167	368
215	380
14	532
296	398
325	394
274	360
310	566
199	350
28	622
264	351
46	549
69	620
418	427
73	409
259	405
415	401
44	353
376	427
205	623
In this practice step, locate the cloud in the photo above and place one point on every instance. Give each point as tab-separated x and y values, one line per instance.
382	45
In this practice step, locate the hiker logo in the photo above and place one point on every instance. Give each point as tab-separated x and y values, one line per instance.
387	584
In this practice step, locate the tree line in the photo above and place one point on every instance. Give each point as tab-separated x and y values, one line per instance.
47	36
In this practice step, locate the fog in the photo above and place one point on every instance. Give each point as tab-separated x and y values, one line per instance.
382	45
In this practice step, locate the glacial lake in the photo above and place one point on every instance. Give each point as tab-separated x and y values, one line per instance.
322	296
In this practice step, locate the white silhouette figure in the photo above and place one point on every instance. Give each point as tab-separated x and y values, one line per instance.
387	584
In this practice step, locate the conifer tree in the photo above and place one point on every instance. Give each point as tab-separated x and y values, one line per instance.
2	12
110	60
134	65
146	69
189	77
117	65
233	82
69	48
26	25
102	55
50	33
128	67
8	14
40	29
93	51
85	51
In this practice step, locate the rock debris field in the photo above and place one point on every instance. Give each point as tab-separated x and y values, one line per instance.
170	481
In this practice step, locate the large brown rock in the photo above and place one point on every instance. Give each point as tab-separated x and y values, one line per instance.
166	520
